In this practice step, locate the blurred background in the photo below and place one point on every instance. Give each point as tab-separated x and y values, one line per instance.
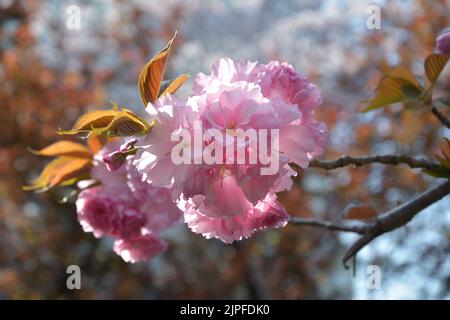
50	74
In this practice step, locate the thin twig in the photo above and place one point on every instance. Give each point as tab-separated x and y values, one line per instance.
344	225
384	159
440	117
399	216
391	220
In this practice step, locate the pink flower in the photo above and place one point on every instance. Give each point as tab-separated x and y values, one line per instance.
243	94
114	160
268	213
443	42
103	214
281	81
224	72
155	203
131	222
112	182
126	207
139	249
96	214
224	198
292	97
153	159
158	204
231	200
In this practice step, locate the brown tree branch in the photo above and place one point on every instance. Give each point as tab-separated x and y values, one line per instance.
384	159
386	222
344	225
440	117
399	216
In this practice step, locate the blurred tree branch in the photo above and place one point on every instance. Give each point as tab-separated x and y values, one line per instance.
345	226
384	159
386	222
440	117
399	216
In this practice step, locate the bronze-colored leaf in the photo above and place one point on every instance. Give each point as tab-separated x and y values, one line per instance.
403	73
96	119
389	91
445	148
152	74
96	143
90	120
411	92
434	64
403	87
109	122
126	123
397	86
42	181
58	171
72	168
64	148
175	84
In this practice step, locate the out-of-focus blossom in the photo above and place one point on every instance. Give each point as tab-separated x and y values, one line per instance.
115	159
104	215
443	42
139	249
125	207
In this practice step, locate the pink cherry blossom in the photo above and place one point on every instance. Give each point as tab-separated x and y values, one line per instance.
158	204
143	191
95	213
285	90
443	42
245	95
125	207
268	213
114	160
231	200
139	249
102	214
153	159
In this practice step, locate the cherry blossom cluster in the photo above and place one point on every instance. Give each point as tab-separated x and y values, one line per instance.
143	190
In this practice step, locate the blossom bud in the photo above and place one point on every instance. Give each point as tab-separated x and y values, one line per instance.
114	160
443	43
